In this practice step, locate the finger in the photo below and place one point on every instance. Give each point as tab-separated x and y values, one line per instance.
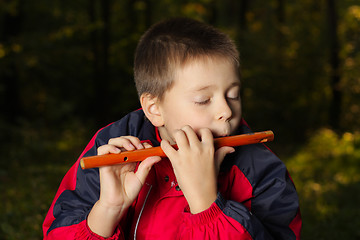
127	142
181	138
108	148
145	167
135	142
147	145
206	136
221	153
122	142
190	134
167	148
117	169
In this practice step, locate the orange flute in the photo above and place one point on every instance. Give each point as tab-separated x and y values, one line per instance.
142	154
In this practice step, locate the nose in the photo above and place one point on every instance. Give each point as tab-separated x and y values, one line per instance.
224	111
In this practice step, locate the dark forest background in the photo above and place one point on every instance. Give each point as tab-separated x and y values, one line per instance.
66	70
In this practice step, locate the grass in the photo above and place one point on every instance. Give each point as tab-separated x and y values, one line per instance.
26	198
33	162
326	172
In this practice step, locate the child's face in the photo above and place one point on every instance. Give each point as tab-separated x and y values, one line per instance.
205	94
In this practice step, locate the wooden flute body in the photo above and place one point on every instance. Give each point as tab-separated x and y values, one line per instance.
142	154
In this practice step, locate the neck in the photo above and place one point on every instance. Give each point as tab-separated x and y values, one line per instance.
165	135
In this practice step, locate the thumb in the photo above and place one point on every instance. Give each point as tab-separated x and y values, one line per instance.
145	167
220	155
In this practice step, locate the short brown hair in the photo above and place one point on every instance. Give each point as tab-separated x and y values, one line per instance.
171	44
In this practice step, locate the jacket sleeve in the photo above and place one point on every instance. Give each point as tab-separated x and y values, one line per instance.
258	200
78	191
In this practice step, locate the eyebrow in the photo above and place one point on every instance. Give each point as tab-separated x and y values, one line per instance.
203	88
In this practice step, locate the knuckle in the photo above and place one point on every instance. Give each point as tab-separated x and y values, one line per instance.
102	149
205	131
113	141
178	133
131	138
187	128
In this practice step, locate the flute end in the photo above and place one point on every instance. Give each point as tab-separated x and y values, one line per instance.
271	136
82	164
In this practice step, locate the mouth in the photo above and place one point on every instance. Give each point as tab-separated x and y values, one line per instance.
222	134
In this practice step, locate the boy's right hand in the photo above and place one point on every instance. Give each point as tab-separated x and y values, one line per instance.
119	185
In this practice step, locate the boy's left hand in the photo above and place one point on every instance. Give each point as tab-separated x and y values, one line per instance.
196	165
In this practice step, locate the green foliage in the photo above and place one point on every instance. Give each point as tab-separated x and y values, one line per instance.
327	175
350	35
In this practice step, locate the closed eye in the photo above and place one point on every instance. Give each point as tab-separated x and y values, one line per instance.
203	102
234	98
233	93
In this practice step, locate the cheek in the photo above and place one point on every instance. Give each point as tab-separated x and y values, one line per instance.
195	119
176	117
237	114
200	119
236	109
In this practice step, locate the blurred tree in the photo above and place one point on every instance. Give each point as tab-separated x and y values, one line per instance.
100	42
349	33
66	69
11	26
80	58
336	102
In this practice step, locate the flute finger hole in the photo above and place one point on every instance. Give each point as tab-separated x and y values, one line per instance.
125	159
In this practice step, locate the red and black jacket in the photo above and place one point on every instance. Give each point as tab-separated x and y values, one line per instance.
256	199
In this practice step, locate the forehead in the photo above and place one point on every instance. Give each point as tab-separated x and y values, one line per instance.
206	73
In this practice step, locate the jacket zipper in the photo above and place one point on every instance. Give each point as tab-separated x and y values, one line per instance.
141	211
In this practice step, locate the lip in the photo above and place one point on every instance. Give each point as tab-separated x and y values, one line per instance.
226	134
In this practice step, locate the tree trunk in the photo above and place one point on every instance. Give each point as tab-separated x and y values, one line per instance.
148	14
280	11
100	43
105	4
280	21
94	41
242	28
244	5
10	104
335	106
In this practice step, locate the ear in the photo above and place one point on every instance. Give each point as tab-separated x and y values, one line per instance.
150	106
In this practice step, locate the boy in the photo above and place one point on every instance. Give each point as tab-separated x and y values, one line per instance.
187	77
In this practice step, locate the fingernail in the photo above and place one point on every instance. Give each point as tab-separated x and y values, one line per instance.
140	146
